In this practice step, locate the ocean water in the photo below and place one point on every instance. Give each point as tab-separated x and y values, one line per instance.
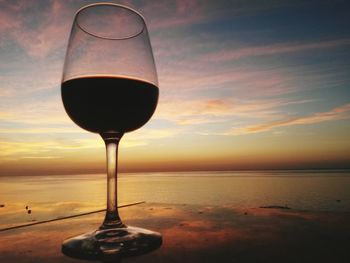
53	196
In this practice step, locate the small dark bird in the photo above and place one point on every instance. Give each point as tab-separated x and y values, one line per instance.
29	211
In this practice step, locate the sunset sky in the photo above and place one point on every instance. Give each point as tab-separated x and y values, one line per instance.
243	85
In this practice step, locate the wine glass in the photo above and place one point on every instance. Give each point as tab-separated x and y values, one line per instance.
109	86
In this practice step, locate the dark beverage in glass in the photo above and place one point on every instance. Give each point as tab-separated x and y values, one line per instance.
101	104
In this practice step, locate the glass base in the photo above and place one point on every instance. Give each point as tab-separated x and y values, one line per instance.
110	243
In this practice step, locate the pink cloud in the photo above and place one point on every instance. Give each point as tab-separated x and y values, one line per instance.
38	41
177	13
242	82
227	55
51	34
7	21
175	21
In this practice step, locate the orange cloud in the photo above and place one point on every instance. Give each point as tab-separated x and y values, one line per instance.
338	113
44	147
219	110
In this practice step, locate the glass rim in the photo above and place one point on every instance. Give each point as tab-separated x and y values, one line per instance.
109	4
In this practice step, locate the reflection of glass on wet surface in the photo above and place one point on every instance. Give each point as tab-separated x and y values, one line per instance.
54	196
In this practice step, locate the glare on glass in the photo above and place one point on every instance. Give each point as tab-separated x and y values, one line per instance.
110	87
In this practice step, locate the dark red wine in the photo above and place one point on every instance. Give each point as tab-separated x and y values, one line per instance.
109	104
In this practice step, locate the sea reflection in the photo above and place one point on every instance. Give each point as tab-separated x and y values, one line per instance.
57	196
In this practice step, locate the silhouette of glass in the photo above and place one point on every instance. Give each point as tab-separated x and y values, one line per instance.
110	87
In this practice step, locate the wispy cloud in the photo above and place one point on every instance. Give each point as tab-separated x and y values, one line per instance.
40	130
221	110
43	147
153	134
240	53
38	40
8	21
172	14
47	147
242	82
338	113
184	13
42	157
35	113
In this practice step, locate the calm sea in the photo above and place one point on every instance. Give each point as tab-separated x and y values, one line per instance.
51	196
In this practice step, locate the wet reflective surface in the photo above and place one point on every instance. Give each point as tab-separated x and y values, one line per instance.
197	233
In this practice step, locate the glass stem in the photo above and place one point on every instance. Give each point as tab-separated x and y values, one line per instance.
112	218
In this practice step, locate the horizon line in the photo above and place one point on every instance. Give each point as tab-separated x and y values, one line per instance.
340	170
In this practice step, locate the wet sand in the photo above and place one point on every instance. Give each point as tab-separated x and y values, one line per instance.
200	234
